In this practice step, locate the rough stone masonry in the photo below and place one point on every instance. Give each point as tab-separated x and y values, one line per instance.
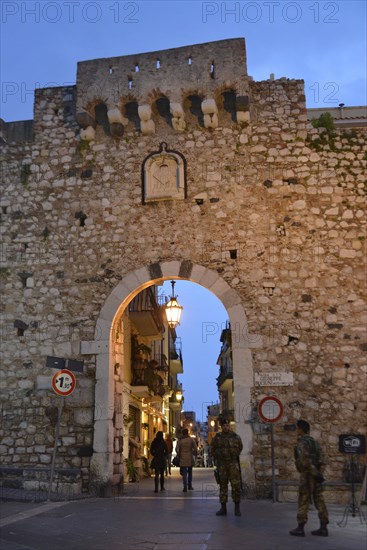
176	164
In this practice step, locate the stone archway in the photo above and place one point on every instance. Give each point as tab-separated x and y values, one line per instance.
133	283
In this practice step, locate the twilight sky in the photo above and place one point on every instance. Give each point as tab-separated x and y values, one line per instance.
322	42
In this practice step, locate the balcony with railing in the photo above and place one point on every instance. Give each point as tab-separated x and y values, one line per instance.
150	384
225	376
175	357
149	376
160	362
146	314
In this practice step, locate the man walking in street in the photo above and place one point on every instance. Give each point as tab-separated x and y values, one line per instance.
309	461
226	448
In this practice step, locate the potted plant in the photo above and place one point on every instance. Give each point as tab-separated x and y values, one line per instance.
146	466
131	470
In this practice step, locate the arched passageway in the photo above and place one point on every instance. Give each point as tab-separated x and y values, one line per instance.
130	285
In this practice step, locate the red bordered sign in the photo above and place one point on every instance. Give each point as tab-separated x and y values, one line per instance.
63	382
270	409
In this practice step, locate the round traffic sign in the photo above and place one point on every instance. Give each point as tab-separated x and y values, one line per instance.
63	382
270	409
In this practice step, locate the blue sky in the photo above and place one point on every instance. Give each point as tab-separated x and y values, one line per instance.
322	42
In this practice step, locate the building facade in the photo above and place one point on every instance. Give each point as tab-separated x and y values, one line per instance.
225	382
177	165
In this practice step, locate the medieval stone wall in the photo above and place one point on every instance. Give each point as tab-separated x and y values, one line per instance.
275	206
174	73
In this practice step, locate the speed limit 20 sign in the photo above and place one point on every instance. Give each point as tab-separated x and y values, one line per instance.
63	382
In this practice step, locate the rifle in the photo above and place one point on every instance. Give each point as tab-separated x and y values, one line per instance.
239	467
216	475
317	474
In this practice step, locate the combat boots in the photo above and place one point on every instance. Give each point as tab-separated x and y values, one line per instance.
222	511
237	511
298	531
322	531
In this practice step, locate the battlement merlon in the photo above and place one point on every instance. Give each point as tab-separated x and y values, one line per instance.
201	69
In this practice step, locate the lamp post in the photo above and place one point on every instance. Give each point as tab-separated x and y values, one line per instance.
173	309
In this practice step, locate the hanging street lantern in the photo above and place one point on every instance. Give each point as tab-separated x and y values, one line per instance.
173	309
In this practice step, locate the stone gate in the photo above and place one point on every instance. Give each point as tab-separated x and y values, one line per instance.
176	164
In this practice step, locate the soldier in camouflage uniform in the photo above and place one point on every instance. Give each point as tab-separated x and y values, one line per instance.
226	448
309	461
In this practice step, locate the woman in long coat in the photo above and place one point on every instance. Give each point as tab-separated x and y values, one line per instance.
159	451
187	451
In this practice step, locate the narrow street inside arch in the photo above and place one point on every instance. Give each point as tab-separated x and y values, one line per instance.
136	371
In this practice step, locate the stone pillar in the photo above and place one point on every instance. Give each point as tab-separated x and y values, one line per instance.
117	122
178	116
242	109
103	451
243	376
242	373
85	119
87	134
210	110
88	124
146	123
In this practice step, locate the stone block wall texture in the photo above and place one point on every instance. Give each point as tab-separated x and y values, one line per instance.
275	206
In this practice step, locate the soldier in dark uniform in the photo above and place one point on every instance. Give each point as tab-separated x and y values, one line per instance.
226	448
309	462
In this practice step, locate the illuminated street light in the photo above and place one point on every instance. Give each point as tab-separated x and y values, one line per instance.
173	309
179	395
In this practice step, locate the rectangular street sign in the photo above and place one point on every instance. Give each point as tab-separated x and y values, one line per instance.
352	444
274	378
55	363
76	366
59	363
